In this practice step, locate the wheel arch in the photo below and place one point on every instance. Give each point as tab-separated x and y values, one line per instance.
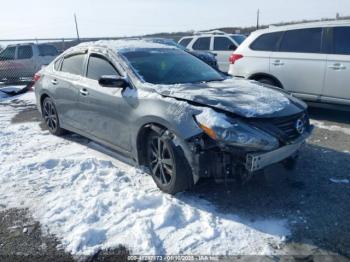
258	76
141	136
42	98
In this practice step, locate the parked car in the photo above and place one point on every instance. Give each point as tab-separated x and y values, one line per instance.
24	60
217	42
205	56
312	60
170	112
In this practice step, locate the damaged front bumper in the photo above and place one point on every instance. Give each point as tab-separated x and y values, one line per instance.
258	161
221	162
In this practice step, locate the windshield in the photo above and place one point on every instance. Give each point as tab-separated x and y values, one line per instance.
170	66
238	38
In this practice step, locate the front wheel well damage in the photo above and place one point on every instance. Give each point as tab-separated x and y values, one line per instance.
141	140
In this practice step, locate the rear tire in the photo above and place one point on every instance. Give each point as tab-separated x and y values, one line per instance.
267	81
50	117
168	166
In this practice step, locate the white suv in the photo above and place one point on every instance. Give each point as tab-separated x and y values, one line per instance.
312	60
217	42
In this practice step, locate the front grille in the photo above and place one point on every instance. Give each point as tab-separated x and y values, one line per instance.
283	128
287	125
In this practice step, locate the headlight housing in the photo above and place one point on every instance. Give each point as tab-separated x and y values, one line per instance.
234	132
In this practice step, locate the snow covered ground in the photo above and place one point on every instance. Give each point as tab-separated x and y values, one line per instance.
91	200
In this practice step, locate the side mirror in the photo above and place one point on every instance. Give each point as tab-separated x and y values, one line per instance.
232	47
113	81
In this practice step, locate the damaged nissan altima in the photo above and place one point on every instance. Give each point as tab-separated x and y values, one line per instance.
170	112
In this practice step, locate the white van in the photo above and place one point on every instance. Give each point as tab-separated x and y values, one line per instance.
311	60
217	42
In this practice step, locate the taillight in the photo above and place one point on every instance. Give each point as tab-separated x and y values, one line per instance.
234	58
36	78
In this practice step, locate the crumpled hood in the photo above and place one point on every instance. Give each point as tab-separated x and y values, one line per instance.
239	96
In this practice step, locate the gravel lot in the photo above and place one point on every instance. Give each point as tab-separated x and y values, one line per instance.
314	198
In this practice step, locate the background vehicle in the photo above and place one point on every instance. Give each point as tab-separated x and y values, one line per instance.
170	111
205	56
24	60
312	60
217	42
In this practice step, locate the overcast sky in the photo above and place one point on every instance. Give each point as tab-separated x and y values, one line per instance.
38	18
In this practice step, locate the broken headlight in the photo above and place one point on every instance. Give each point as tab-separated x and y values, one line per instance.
234	132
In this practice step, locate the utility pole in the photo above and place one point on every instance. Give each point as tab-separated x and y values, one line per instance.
257	19
76	27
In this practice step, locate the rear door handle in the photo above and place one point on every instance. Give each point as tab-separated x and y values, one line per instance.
84	92
277	63
337	67
54	81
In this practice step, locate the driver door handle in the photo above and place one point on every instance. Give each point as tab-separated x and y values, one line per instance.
277	63
84	92
337	66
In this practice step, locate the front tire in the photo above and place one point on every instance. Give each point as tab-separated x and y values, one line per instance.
50	117
168	166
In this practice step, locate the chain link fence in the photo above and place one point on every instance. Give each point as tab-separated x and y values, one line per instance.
20	59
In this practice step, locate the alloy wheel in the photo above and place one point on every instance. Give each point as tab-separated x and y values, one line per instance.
161	161
50	115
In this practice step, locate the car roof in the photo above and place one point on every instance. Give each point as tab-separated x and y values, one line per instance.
125	44
304	26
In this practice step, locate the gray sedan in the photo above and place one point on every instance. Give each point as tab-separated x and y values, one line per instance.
170	112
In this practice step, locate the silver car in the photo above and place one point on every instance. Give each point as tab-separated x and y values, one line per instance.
24	60
171	112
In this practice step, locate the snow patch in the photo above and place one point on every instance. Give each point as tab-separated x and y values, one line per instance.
322	125
127	44
92	201
339	181
211	118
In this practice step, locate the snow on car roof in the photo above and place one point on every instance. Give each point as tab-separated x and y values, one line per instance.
126	44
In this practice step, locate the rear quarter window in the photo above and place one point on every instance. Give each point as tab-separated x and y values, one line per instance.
266	42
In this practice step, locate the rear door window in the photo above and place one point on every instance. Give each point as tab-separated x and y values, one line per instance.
47	50
266	42
25	52
222	43
73	64
302	41
99	66
8	54
341	40
202	43
184	42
